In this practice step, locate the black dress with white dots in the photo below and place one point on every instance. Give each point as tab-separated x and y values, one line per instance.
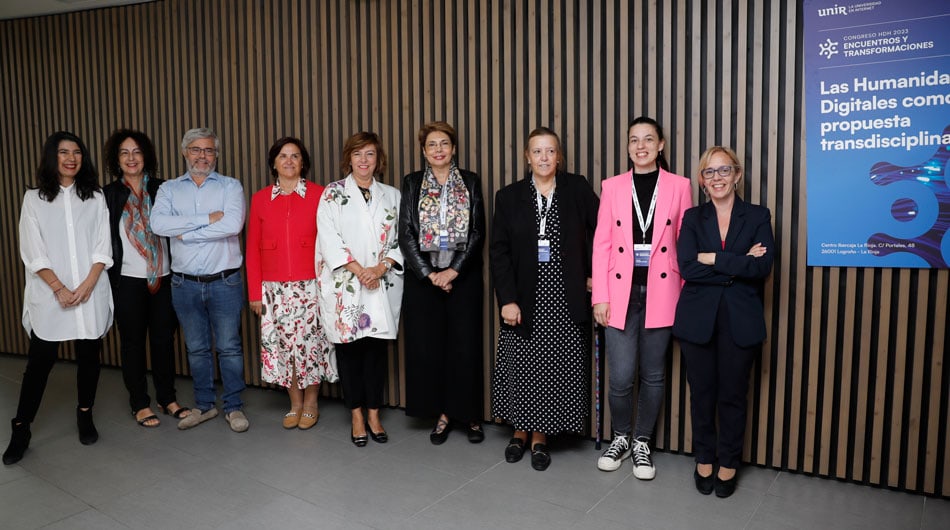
542	383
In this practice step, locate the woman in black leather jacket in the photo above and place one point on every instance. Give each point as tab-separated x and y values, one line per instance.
141	289
441	233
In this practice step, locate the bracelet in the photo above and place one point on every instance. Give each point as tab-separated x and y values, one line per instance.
61	287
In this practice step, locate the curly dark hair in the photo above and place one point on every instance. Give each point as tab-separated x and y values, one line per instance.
275	150
111	152
357	142
660	157
47	174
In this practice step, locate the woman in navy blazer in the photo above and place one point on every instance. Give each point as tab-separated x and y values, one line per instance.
725	251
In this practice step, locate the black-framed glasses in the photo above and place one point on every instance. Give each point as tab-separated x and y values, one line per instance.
197	151
722	171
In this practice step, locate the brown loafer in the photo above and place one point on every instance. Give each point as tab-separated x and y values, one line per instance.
292	419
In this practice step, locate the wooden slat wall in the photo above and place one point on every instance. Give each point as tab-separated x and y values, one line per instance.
853	381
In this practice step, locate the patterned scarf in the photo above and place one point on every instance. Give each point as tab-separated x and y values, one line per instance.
456	211
135	215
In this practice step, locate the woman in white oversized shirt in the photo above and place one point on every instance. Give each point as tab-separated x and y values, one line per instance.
359	276
65	246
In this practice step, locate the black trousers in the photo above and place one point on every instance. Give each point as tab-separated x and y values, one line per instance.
362	367
444	347
140	314
718	376
40	361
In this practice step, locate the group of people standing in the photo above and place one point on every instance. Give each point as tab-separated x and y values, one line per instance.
330	271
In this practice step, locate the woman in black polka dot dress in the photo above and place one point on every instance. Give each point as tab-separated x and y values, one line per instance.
540	259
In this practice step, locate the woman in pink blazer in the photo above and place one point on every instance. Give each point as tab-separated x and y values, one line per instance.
636	284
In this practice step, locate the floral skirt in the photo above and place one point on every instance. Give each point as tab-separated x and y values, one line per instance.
292	336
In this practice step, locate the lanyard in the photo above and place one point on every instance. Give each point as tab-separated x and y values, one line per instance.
644	223
542	210
443	204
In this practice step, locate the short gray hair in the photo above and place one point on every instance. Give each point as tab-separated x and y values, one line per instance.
198	134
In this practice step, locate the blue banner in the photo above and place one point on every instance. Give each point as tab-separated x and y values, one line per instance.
877	102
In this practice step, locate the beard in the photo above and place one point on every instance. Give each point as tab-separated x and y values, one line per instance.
198	171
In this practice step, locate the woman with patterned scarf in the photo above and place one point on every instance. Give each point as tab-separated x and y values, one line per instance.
441	233
140	288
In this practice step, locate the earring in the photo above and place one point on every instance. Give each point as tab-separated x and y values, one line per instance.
706	193
736	186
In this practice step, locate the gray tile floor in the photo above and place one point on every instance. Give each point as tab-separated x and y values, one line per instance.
209	477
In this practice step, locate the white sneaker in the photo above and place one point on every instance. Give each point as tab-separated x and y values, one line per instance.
642	463
615	454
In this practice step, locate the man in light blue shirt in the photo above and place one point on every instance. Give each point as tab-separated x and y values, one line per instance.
202	212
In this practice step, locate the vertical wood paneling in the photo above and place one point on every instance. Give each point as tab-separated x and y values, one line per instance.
853	381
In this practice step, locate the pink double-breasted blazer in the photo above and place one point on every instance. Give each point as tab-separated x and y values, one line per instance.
612	273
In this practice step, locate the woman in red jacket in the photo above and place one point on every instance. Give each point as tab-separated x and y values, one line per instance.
282	284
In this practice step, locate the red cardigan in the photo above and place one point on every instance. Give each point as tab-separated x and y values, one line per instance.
281	238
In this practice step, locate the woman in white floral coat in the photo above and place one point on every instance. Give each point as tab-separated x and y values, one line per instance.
359	274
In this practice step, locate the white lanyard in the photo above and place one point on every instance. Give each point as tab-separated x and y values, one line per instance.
542	210
644	223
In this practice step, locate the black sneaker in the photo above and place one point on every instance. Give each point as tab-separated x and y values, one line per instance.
614	456
642	463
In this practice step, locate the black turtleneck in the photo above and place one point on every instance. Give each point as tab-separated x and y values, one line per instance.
645	184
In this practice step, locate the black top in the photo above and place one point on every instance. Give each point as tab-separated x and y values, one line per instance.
645	184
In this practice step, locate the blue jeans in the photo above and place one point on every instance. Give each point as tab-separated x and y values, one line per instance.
624	350
211	311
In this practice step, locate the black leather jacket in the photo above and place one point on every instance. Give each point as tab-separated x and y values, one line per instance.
417	260
117	194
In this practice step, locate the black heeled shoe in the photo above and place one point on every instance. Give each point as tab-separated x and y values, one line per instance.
19	442
725	488
359	441
88	434
378	437
704	484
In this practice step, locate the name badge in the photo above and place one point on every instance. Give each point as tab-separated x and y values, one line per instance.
544	251
641	255
444	240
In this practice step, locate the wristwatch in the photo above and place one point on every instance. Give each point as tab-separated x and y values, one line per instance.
387	264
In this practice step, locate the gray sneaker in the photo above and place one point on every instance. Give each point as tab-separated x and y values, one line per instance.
237	420
195	417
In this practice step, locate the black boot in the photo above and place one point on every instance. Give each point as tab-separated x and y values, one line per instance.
19	441
88	434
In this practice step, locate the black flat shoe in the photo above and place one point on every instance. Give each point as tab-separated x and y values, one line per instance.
440	433
514	451
540	459
359	441
475	433
19	441
725	488
704	484
88	434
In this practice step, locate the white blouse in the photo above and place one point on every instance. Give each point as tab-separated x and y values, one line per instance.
68	236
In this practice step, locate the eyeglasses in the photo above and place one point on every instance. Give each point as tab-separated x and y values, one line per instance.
444	144
722	171
208	151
